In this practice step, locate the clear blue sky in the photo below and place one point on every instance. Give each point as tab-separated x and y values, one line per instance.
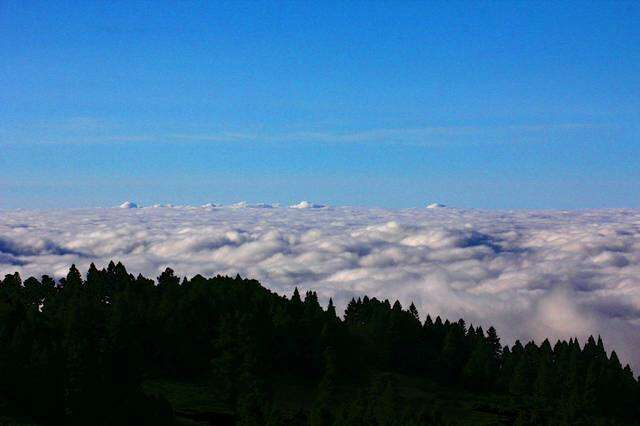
394	104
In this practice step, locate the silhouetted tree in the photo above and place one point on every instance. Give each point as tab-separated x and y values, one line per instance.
79	352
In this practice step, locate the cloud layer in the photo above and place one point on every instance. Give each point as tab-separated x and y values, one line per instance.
531	274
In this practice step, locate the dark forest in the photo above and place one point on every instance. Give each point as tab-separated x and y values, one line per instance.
113	348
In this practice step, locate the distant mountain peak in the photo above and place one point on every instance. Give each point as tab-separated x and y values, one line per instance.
435	206
306	205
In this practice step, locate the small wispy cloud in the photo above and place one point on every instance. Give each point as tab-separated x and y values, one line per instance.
435	135
88	130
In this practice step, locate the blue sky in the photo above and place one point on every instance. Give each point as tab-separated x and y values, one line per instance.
393	104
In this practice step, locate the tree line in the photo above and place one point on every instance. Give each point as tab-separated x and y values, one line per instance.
78	350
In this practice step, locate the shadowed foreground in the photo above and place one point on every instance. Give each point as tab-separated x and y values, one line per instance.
119	349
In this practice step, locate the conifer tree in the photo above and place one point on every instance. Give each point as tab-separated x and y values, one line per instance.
322	412
73	280
414	312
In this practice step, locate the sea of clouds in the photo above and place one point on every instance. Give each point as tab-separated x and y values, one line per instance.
532	274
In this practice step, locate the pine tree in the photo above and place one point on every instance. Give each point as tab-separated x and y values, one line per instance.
322	412
475	374
544	387
73	281
331	310
520	382
452	355
591	382
414	312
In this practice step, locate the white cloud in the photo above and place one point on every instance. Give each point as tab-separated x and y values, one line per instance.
531	274
422	136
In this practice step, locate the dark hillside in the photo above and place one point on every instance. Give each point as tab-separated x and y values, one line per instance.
118	349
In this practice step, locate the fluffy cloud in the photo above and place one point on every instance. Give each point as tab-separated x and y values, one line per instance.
531	274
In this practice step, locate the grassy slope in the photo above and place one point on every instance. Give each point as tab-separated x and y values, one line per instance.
192	400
